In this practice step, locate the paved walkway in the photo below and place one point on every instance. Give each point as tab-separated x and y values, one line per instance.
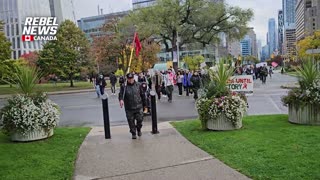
165	156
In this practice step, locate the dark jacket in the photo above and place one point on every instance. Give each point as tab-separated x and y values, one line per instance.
195	81
113	79
134	98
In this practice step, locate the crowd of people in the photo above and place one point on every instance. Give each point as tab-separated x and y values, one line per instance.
261	72
134	93
186	81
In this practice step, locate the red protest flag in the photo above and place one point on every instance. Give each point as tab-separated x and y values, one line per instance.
137	44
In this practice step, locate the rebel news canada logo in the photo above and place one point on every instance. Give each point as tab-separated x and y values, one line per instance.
40	28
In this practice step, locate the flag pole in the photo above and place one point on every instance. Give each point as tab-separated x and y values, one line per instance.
128	70
131	55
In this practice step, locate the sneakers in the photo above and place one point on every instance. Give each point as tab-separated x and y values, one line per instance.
134	136
139	133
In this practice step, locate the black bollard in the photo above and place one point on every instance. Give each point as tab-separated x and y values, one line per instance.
106	120
154	113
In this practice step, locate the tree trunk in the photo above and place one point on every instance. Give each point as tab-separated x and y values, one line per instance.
174	49
71	80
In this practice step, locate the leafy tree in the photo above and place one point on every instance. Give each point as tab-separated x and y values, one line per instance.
252	59
68	54
31	58
193	63
1	26
194	21
5	50
114	48
310	42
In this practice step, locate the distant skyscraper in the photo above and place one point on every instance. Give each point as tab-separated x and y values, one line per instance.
272	36
246	46
265	53
253	38
289	26
259	49
280	31
234	48
288	8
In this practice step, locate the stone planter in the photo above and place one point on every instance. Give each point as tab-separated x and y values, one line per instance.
32	136
307	114
222	124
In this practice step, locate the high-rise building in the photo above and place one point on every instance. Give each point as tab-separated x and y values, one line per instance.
307	18
290	45
63	10
245	45
259	49
92	26
253	38
280	30
265	55
289	26
272	43
288	7
136	4
14	13
234	48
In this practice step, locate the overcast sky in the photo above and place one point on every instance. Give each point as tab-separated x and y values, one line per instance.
263	9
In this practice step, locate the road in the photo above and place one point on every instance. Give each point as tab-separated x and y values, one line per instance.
84	109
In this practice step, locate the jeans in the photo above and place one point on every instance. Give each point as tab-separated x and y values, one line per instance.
169	92
113	88
98	90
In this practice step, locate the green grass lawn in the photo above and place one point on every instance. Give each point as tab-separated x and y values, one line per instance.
49	87
267	147
53	158
294	73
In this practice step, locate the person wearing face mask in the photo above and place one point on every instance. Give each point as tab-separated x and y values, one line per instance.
169	82
133	99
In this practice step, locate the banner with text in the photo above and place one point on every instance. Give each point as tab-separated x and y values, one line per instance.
241	84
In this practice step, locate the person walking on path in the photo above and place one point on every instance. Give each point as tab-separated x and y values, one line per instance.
157	81
169	82
113	81
264	74
187	82
133	99
97	86
196	80
270	72
103	84
180	82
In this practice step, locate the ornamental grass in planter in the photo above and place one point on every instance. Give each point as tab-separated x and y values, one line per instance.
304	102
28	116
218	107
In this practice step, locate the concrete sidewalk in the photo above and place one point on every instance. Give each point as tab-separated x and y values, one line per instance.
165	156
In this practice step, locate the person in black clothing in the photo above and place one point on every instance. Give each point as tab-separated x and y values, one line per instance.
157	81
141	78
195	79
102	82
133	99
113	81
121	80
